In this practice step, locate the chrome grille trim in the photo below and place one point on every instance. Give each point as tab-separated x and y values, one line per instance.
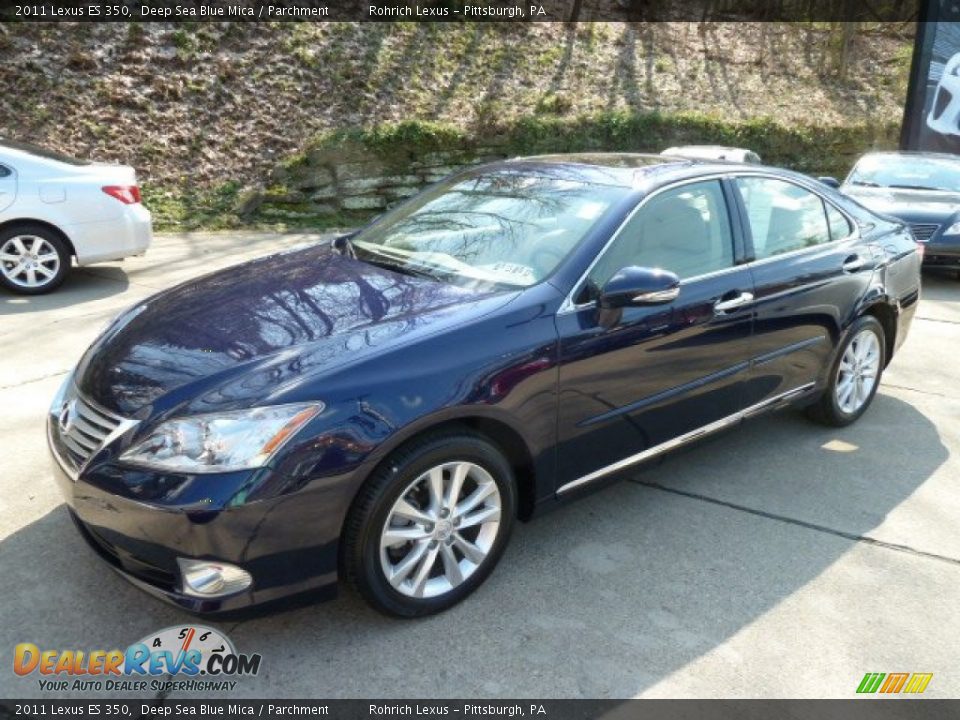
89	428
922	232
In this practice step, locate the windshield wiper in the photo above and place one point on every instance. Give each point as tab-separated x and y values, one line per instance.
388	261
919	187
865	183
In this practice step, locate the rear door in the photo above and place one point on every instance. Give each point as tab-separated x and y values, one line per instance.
810	268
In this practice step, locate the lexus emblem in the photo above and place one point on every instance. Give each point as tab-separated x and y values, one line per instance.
65	420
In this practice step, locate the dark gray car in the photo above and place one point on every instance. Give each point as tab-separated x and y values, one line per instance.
920	189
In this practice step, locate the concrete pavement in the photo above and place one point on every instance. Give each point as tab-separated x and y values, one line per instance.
780	560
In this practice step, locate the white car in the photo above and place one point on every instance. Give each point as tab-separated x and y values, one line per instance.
54	208
713	152
944	116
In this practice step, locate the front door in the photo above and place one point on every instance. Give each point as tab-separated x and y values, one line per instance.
648	375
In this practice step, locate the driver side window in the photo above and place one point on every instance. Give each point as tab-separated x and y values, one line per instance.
685	230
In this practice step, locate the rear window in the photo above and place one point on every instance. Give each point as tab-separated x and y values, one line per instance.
41	152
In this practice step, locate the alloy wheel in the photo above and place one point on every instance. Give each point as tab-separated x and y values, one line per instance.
440	529
858	371
29	261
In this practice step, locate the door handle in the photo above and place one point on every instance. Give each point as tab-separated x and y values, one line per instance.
852	264
722	306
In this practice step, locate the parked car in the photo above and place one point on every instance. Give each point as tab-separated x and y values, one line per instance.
944	115
383	407
54	208
920	189
713	152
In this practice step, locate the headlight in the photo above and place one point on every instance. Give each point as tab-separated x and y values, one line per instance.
220	442
953	229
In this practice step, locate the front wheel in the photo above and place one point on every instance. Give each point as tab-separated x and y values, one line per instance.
430	524
855	375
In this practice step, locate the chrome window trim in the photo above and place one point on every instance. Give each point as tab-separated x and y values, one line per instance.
676	442
569	306
826	201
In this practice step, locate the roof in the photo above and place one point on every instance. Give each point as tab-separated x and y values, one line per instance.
912	153
638	171
37	153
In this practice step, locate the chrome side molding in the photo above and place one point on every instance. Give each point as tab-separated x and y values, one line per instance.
686	437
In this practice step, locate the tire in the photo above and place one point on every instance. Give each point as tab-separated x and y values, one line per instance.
863	347
33	259
405	476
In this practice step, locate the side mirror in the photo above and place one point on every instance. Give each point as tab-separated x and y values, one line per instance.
639	286
829	181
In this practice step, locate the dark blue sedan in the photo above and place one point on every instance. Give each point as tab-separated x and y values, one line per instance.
920	189
383	407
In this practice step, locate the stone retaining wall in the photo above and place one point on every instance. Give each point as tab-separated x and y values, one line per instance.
342	180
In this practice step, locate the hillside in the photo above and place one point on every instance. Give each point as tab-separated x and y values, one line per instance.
203	110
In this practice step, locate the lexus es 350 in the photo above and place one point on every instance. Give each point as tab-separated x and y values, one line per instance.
382	408
920	189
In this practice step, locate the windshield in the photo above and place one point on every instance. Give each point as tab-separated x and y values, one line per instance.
501	227
916	173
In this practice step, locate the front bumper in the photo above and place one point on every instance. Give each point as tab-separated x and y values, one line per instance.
943	251
287	544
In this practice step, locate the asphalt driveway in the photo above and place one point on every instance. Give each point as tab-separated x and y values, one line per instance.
780	560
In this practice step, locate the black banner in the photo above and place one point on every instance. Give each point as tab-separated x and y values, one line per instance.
457	10
855	709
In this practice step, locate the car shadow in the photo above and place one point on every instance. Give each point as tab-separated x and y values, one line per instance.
602	598
81	286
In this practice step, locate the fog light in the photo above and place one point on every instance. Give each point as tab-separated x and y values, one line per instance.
210	578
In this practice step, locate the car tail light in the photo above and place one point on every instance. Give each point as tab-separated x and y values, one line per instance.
127	194
921	247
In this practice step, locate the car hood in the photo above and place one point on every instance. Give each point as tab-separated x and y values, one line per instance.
245	333
912	206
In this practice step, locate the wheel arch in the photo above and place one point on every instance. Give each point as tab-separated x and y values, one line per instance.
507	438
15	222
887	317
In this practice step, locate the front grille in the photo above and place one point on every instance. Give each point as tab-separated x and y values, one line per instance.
82	428
923	232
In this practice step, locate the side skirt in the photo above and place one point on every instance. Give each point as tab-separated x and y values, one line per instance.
689	437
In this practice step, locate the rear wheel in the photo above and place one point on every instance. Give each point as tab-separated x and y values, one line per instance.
33	259
855	375
430	524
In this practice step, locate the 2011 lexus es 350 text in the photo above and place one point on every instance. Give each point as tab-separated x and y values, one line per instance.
383	407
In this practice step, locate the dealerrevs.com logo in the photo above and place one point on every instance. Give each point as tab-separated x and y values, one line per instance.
181	658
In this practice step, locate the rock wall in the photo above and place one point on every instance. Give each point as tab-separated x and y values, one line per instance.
345	177
351	179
